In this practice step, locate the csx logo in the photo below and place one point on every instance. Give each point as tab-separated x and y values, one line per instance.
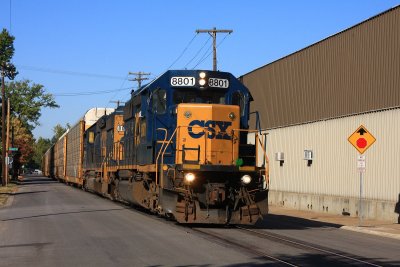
195	129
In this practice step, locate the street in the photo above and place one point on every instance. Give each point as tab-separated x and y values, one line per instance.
51	224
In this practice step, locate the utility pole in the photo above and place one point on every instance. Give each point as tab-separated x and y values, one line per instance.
7	137
213	32
118	102
3	128
139	77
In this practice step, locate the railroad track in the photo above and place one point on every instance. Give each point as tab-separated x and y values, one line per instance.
324	256
242	247
318	255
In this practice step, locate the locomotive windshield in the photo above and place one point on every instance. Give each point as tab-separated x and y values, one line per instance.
186	95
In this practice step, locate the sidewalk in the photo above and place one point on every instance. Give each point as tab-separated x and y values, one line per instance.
373	227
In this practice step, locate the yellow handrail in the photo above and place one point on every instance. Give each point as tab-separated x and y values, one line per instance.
162	152
165	145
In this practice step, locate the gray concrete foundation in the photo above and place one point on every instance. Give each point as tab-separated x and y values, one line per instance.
371	209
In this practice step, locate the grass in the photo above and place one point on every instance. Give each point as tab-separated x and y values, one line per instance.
5	192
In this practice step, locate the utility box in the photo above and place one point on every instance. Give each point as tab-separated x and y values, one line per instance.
279	156
308	155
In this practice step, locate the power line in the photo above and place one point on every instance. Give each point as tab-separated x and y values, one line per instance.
201	61
116	93
66	72
92	92
183	52
140	76
198	52
118	102
205	55
213	32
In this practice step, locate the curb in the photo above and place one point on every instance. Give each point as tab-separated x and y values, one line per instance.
371	232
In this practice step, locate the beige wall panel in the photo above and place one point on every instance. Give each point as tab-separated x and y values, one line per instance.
333	171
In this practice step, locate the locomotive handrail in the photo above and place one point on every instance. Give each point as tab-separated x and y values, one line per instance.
162	151
262	144
159	152
205	130
165	145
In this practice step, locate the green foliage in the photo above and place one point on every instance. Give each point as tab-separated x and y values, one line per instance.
43	144
59	130
23	139
40	147
27	99
6	54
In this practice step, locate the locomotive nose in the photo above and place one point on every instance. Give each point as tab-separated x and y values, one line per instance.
205	134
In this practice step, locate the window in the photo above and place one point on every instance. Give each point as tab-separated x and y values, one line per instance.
187	95
143	129
159	101
238	99
91	137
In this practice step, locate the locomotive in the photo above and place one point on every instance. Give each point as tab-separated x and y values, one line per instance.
180	147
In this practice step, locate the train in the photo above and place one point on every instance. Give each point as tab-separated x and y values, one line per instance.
181	147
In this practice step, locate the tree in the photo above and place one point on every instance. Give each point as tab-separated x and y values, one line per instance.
59	130
6	54
23	139
27	99
7	70
40	147
43	144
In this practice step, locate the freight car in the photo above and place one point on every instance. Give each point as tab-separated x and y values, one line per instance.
66	164
179	147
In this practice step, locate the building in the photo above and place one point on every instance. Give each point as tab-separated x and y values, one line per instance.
311	101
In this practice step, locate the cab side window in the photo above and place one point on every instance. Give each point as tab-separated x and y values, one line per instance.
159	101
91	137
238	100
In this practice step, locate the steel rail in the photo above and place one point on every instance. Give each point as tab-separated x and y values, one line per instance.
304	245
243	247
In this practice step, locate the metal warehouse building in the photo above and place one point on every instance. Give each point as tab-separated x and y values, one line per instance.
314	99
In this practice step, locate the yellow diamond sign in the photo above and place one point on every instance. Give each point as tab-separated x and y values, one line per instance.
361	139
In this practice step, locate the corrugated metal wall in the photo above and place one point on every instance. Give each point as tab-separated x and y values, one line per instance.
59	158
333	171
351	72
74	163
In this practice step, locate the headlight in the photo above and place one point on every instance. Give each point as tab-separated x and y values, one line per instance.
202	82
246	179
189	177
202	75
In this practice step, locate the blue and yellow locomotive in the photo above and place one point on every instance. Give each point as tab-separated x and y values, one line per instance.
185	150
180	147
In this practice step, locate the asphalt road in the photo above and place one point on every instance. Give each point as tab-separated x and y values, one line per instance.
51	224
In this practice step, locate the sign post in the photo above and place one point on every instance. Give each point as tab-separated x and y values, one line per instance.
361	168
361	139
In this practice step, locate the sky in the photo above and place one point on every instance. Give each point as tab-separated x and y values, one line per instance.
82	51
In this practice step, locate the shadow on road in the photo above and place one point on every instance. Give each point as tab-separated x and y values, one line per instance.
276	222
273	221
30	180
61	213
22	193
